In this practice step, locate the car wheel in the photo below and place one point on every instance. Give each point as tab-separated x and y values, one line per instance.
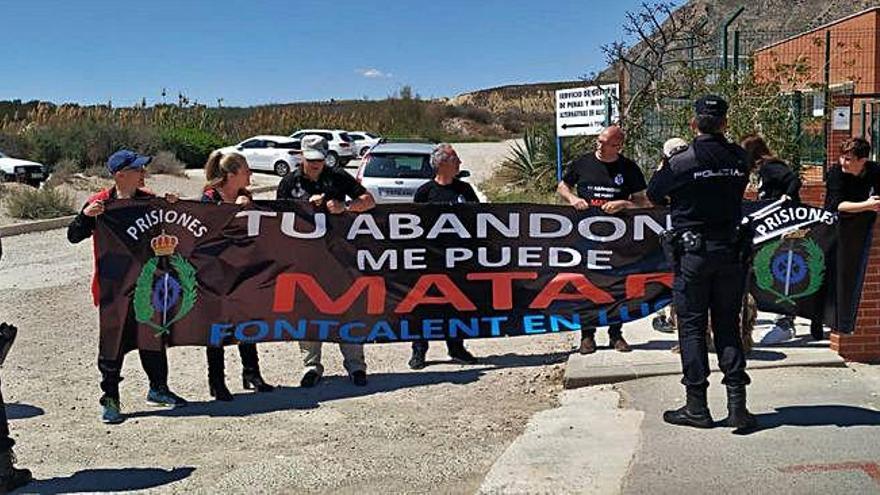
282	168
331	159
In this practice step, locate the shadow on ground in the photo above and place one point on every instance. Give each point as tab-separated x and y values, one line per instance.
17	410
332	388
109	480
825	415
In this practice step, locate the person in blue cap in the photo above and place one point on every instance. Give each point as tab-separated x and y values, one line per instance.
704	187
127	169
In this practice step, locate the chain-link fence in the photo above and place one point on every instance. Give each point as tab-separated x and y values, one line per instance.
778	84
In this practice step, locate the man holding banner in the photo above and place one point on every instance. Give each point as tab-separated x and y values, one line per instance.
612	182
326	189
445	188
704	187
127	169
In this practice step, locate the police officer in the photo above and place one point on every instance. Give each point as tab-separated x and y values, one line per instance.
11	477
704	187
326	188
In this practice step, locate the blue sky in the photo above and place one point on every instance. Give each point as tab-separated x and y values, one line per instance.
252	52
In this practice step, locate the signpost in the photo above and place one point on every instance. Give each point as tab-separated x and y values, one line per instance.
584	112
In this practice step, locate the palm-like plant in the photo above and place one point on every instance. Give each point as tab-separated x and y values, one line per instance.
531	162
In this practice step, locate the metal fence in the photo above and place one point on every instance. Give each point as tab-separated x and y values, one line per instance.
805	67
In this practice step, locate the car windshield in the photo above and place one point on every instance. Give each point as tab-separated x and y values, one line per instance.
2	155
399	166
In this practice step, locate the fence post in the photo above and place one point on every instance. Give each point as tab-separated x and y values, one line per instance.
797	108
736	52
826	115
558	159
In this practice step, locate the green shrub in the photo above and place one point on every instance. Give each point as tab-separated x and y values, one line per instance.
62	171
35	204
166	163
190	145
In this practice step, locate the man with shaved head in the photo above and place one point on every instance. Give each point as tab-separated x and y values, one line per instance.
612	182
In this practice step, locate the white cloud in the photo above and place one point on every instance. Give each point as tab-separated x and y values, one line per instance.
373	73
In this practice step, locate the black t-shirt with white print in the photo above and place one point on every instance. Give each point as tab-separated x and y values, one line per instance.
599	182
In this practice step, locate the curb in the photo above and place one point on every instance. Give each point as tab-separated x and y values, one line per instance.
35	226
578	373
62	222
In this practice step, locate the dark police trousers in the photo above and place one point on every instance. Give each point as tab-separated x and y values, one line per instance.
710	280
155	364
6	442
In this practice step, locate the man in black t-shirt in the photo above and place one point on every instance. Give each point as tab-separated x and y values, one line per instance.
323	186
326	188
609	181
853	186
444	188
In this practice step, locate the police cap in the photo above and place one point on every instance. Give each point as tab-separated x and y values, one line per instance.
711	105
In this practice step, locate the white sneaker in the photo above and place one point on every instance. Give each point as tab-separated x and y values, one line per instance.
777	335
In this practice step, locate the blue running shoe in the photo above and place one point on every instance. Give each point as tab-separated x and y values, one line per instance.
111	411
165	398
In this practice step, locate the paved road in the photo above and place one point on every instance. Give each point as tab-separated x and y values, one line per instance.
817	425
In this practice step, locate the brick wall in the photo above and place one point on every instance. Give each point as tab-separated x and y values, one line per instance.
863	345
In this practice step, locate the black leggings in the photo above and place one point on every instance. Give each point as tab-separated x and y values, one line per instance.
155	364
249	360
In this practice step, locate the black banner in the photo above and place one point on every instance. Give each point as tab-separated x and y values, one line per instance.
809	262
203	274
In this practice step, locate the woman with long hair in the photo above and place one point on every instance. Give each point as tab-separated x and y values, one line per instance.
775	177
228	177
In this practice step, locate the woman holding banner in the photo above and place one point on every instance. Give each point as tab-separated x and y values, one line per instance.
775	180
228	176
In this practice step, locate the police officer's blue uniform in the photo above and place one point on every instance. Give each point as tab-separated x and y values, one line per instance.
704	187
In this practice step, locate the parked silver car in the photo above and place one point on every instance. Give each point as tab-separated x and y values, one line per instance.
393	171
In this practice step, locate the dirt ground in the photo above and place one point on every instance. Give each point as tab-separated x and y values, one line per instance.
435	430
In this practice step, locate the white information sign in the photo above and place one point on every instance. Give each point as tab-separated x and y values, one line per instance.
841	120
581	111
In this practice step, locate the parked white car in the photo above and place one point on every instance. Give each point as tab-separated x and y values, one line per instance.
393	171
363	141
15	170
279	154
340	150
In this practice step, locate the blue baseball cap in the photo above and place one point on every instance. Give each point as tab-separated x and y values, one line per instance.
123	159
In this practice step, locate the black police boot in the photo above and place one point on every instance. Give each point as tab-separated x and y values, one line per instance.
12	478
252	379
738	416
694	413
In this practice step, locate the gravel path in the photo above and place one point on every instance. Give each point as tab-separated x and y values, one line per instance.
435	430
